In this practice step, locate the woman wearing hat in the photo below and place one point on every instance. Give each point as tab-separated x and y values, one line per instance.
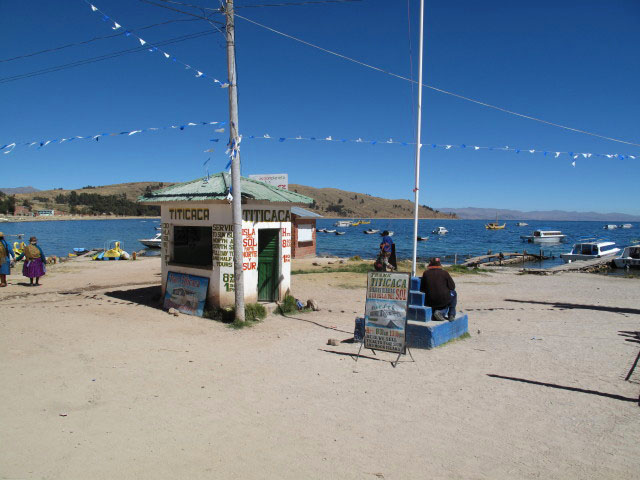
5	260
34	261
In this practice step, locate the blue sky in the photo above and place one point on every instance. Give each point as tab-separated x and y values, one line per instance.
571	62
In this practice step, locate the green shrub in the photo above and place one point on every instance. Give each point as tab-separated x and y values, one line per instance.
253	313
288	305
356	258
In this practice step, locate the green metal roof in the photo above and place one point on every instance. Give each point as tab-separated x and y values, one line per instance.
216	187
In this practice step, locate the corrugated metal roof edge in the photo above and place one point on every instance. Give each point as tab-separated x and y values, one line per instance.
156	196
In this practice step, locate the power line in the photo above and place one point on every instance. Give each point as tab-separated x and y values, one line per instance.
282	4
62	47
103	57
462	97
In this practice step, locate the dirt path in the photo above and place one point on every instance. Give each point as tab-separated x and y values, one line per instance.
100	384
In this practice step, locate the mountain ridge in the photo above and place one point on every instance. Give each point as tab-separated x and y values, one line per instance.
475	213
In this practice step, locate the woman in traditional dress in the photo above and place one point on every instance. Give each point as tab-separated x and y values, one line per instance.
34	262
5	260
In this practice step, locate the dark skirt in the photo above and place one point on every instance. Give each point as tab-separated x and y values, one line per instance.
33	268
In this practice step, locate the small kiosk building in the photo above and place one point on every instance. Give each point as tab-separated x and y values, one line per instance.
197	236
304	232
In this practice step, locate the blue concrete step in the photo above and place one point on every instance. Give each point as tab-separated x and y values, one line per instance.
415	283
432	334
416	297
419	313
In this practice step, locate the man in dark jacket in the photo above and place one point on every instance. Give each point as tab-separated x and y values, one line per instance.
440	291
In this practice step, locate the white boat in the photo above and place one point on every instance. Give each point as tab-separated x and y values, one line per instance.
588	250
155	242
440	231
390	233
323	230
610	227
521	224
370	231
343	223
329	231
545	236
630	257
422	239
340	233
3	220
625	225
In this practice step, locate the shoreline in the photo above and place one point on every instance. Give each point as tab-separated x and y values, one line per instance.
58	218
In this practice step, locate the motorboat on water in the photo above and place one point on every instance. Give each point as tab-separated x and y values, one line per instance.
340	233
329	231
390	233
155	242
630	257
625	225
610	227
440	231
323	230
370	231
521	224
422	239
587	250
343	223
545	236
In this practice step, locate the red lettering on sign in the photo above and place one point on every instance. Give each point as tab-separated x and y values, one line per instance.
249	266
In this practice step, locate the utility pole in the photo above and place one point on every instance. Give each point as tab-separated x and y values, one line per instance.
236	203
416	189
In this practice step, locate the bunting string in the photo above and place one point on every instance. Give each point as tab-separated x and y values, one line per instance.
550	153
153	48
9	147
233	147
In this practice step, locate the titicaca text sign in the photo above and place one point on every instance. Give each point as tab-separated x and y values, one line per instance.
385	314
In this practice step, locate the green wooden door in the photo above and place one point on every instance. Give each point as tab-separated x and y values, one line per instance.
268	255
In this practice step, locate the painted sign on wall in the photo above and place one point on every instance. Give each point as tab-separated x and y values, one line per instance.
186	293
222	245
386	311
280	180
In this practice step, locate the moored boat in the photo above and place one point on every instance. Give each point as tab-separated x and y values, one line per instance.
630	257
440	231
610	227
521	224
343	223
587	250
625	225
370	231
155	242
545	236
329	231
340	233
422	239
112	251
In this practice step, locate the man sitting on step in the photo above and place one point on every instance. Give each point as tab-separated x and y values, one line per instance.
440	291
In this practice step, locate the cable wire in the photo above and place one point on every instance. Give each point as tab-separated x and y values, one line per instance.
462	97
104	57
84	42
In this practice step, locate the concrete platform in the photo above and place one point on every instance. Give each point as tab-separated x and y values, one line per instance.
431	334
419	313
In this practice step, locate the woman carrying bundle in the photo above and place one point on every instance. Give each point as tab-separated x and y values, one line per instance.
6	253
34	262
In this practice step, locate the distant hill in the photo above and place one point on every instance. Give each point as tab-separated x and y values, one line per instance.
471	213
331	202
13	191
46	199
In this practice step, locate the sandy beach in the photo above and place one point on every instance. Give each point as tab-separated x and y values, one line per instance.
100	383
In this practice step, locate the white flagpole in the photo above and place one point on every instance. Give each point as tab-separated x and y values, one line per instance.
416	190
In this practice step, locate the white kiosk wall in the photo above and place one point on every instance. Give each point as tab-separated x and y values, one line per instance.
185	227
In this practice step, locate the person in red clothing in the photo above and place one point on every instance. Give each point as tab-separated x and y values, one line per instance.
440	291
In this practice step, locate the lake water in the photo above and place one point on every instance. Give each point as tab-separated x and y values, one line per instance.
465	237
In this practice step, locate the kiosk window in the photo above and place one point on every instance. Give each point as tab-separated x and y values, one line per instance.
192	246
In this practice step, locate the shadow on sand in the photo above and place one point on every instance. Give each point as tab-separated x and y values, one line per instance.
570	306
564	387
147	296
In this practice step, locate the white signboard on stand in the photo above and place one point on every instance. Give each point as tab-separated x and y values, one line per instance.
280	180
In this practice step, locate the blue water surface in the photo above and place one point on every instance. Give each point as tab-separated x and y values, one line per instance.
465	237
